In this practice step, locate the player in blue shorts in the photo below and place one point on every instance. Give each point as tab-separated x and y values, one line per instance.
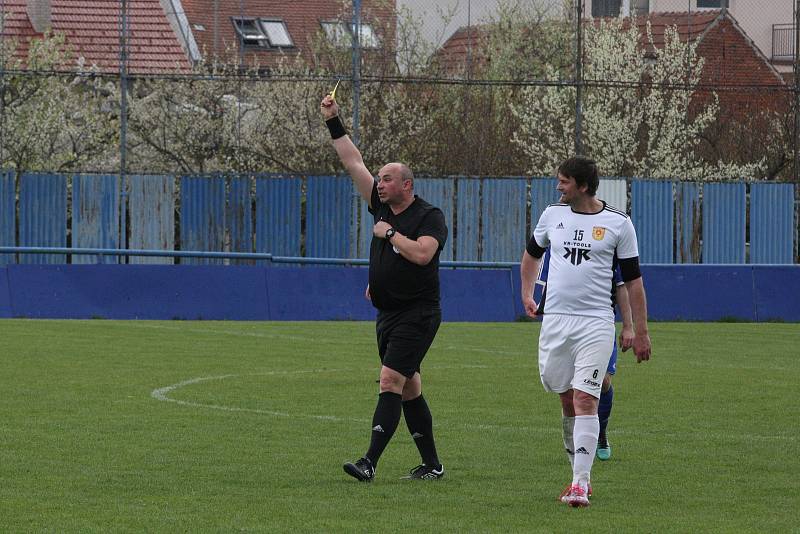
620	299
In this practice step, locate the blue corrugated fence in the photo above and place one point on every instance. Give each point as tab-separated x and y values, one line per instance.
151	208
328	209
278	205
238	216
772	224
202	216
724	211
95	215
504	207
468	219
322	216
8	215
652	212
43	215
687	222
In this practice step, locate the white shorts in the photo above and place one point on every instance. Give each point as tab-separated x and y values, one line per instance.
574	352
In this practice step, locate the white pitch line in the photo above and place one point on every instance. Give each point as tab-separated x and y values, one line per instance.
162	394
489	351
304	339
220	332
743	367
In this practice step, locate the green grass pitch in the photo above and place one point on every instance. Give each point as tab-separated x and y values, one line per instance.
114	426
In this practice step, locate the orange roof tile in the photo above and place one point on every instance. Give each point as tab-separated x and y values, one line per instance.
690	25
92	30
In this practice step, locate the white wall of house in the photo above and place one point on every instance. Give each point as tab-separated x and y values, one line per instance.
460	13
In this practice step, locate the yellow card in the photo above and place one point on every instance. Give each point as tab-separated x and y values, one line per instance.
335	87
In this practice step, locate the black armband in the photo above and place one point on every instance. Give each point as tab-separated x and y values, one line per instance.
534	249
336	127
629	268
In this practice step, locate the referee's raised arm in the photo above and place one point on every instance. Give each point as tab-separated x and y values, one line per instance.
348	153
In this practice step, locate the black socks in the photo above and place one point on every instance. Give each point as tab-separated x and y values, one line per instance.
420	424
384	423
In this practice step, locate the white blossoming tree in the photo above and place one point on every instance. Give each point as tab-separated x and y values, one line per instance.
243	118
649	129
58	117
509	109
179	124
280	128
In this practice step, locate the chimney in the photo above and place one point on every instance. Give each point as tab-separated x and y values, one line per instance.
40	14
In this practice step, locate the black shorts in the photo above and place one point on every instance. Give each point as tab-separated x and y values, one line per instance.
405	336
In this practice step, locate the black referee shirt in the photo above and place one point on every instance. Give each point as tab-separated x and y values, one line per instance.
394	282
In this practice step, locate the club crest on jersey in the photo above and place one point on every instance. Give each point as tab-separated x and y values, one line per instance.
598	233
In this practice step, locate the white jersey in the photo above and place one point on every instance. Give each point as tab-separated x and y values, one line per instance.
583	248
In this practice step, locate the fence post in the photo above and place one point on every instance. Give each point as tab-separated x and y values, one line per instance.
356	198
796	87
356	69
579	78
123	124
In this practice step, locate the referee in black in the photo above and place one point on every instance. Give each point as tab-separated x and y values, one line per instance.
407	239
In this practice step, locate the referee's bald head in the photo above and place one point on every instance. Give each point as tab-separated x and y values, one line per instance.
401	169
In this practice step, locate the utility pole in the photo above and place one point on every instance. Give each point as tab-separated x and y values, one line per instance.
123	125
796	87
356	69
579	78
355	201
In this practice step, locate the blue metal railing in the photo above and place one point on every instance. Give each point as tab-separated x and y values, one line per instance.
235	256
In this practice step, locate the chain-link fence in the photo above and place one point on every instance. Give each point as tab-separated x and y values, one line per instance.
685	91
671	89
678	89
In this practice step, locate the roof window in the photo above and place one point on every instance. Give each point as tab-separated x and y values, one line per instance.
263	32
341	34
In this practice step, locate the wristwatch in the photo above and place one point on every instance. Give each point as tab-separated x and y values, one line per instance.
390	233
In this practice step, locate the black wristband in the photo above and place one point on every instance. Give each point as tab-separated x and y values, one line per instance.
336	127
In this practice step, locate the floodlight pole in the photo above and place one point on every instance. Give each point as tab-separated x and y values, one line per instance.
796	72
2	81
355	200
123	84
579	79
123	123
356	69
796	132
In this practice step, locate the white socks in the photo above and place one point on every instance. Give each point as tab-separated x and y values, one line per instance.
567	424
585	434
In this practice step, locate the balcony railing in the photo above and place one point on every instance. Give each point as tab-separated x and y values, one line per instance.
783	39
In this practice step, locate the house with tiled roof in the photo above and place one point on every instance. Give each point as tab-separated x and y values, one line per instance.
264	32
734	66
753	97
92	32
769	23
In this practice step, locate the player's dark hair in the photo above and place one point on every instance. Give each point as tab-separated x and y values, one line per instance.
583	170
